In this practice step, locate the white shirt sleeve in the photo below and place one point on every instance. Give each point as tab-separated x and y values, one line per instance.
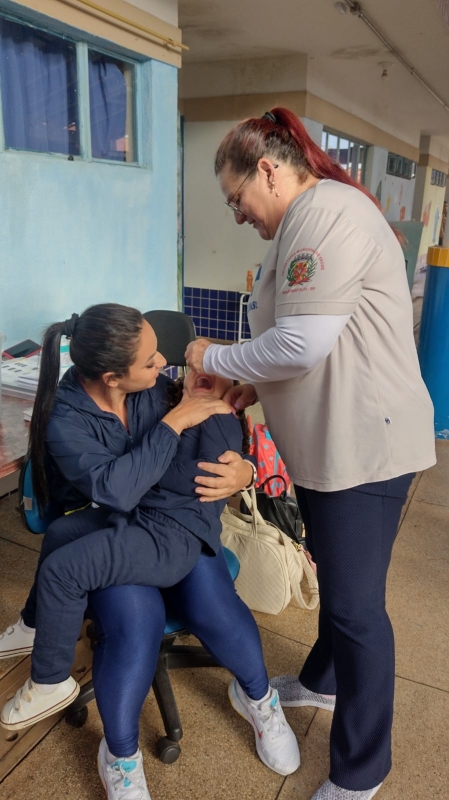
296	344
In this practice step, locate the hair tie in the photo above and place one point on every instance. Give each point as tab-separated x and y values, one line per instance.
269	115
69	326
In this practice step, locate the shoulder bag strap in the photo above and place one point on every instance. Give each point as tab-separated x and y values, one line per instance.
273	478
251	502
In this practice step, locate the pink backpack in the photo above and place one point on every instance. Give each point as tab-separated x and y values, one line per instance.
269	462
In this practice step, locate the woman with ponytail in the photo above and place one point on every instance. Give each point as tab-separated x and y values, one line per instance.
119	448
333	362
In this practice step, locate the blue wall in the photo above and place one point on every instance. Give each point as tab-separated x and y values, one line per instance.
73	233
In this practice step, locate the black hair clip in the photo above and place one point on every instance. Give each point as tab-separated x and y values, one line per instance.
270	116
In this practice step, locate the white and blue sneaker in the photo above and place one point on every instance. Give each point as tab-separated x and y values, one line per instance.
276	743
124	779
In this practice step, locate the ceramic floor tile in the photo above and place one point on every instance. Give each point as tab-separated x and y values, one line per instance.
420	745
411	494
17	567
12	528
417	595
434	484
314	769
218	745
293	623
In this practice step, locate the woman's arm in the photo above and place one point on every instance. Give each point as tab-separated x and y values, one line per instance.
115	482
120	482
230	475
296	343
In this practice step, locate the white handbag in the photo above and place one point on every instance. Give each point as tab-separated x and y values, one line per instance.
272	566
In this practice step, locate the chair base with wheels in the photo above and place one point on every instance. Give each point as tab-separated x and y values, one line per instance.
171	656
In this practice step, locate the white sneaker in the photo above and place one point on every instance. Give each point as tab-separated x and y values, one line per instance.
29	706
15	641
330	791
276	743
124	779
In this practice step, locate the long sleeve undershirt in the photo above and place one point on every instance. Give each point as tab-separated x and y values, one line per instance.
296	344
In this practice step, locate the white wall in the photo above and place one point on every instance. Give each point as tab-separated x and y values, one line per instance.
397	198
314	129
395	194
166	10
244	76
218	252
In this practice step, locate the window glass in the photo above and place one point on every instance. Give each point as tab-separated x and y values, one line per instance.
353	158
111	107
359	174
39	92
343	153
350	155
400	166
332	146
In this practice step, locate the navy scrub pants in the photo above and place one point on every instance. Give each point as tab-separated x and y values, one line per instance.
350	535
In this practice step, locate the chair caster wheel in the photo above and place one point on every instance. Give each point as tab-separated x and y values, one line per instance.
168	751
76	719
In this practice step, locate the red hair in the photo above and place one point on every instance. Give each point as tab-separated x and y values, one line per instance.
281	135
285	139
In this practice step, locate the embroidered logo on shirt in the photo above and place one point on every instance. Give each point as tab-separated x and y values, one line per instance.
301	269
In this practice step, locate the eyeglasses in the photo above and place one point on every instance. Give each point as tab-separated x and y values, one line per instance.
229	203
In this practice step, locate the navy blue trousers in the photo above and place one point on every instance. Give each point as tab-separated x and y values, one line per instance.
120	555
350	535
130	623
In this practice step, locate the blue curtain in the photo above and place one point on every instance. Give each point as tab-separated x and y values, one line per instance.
38	82
107	87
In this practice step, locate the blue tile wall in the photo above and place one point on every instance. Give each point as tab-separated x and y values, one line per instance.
215	313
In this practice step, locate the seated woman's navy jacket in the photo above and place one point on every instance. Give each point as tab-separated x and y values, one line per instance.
92	456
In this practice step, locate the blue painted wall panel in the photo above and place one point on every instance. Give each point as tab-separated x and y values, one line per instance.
73	233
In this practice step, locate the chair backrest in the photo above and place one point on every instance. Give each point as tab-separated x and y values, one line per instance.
174	331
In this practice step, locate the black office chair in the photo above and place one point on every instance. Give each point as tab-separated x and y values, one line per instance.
174	331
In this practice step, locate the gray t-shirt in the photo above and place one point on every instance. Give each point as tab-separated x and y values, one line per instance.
363	414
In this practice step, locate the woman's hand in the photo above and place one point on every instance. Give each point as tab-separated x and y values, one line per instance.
241	396
231	474
195	354
193	410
